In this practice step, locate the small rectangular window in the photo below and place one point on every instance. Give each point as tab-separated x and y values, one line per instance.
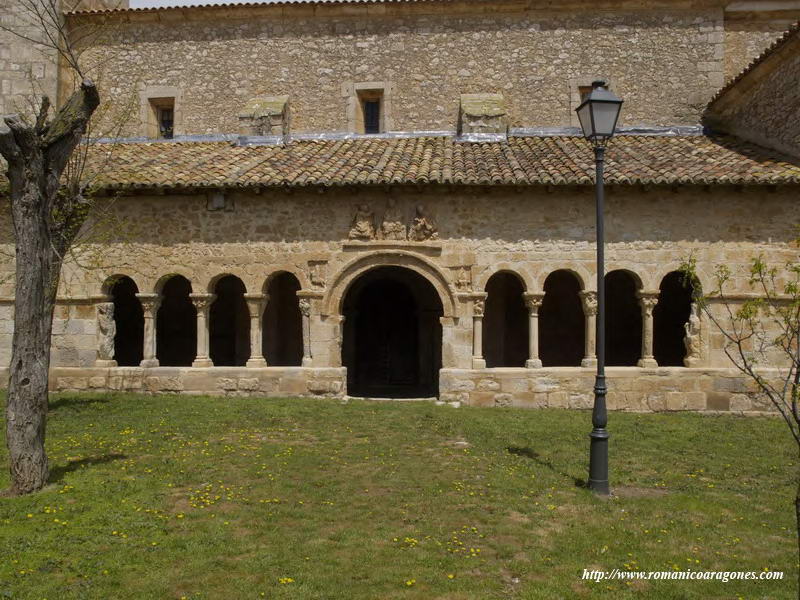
372	116
369	114
166	120
162	114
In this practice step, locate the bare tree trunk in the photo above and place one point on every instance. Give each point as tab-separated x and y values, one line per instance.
46	215
37	272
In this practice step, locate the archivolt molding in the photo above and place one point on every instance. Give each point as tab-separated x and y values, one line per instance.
334	296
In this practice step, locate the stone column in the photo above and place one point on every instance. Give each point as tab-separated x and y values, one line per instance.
256	303
305	311
202	302
150	304
589	300
106	331
478	307
534	303
648	301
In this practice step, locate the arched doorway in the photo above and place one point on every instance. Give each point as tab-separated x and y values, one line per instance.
176	324
129	319
623	320
669	320
505	324
229	324
283	323
561	321
392	344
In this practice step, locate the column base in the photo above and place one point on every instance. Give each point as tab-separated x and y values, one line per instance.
202	363
647	363
533	363
478	363
693	363
307	361
256	362
105	364
589	362
148	363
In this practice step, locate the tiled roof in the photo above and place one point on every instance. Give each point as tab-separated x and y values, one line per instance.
546	160
790	35
556	160
237	4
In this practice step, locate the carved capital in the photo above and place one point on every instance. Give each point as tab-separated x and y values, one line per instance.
589	300
150	304
305	307
648	301
256	303
478	307
533	302
202	301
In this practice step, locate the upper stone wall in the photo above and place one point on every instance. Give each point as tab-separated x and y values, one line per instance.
25	68
666	63
762	105
748	33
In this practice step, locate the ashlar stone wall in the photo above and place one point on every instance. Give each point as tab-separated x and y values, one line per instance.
529	232
666	62
756	108
26	69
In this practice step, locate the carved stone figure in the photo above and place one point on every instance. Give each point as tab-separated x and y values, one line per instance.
305	307
106	331
422	227
478	307
464	282
392	225
317	274
693	340
363	227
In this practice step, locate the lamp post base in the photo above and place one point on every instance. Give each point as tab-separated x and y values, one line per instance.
598	461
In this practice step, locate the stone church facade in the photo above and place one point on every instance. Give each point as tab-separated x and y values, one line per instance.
390	199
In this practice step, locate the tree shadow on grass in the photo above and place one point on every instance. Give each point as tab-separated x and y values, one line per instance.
76	402
527	452
57	473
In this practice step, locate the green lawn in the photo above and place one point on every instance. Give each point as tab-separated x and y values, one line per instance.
179	497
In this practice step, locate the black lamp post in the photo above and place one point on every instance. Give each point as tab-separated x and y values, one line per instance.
598	114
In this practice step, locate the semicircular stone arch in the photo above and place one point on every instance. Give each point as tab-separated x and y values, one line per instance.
211	283
279	269
160	282
642	280
332	302
526	278
584	278
108	282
